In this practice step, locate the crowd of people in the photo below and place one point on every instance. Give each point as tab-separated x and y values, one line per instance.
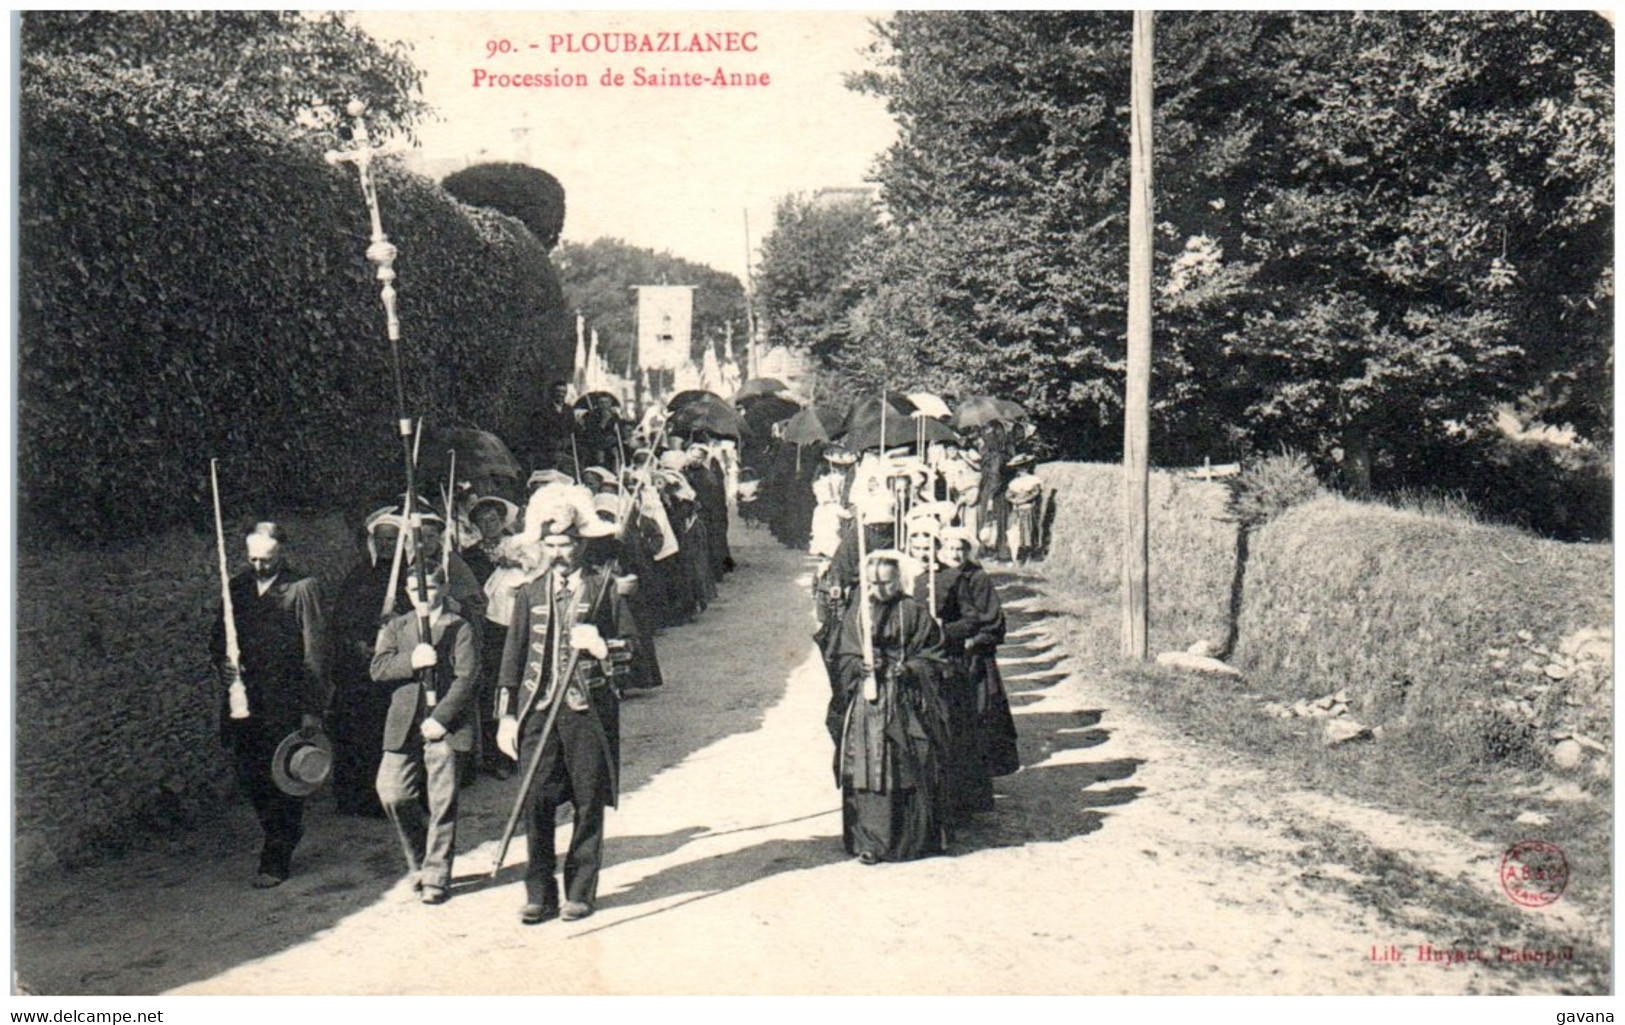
477	635
909	621
495	632
984	471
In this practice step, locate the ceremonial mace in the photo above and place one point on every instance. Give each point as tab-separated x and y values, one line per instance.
237	694
382	252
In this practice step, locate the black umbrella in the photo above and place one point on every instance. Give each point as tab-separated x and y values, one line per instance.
867	411
984	409
766	410
481	455
597	399
758	386
684	398
708	413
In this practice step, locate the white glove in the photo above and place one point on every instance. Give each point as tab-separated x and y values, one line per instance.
423	656
586	637
432	730
508	736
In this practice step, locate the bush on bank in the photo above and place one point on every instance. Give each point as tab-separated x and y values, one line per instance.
1472	630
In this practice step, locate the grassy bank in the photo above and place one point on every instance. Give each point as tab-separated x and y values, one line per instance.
1474	648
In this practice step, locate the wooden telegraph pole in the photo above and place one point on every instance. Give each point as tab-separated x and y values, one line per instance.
1137	395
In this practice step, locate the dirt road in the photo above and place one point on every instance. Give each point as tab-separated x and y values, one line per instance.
1120	860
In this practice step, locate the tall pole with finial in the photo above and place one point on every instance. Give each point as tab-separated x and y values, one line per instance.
382	252
752	359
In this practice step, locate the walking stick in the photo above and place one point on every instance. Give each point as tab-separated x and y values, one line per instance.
560	686
931	581
236	694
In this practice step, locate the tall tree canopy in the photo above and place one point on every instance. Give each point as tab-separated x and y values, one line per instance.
803	282
1371	227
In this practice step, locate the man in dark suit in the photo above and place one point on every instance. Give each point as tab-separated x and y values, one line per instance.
570	642
548	432
431	720
282	668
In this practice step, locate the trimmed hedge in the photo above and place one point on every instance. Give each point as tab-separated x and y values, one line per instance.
1343	593
190	286
534	197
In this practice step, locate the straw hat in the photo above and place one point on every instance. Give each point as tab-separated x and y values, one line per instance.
302	762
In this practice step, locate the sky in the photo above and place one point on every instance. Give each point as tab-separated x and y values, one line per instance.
669	168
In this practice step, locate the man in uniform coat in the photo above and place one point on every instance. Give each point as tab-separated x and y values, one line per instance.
570	641
429	724
282	641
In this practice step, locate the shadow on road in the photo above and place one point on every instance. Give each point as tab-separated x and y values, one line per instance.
1050	804
709	876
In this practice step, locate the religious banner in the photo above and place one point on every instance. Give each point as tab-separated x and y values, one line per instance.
665	324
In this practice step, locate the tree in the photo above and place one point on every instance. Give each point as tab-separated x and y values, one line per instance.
1429	224
1372	227
298	70
803	287
599	278
1008	186
527	194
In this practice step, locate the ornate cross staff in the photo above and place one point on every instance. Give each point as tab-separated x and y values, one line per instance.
383	252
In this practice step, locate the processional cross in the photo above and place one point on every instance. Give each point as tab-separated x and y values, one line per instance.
383	252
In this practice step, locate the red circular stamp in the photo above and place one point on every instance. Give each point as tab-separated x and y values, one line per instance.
1534	873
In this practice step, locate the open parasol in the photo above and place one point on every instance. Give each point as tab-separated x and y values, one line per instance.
762	412
810	426
684	398
481	455
979	410
900	431
926	404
